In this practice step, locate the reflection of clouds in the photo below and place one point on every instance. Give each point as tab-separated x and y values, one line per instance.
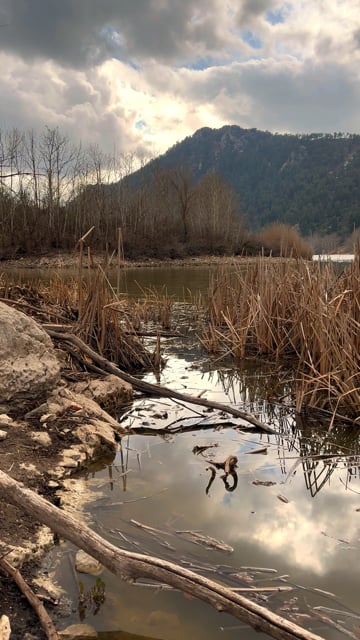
262	530
251	515
292	533
295	530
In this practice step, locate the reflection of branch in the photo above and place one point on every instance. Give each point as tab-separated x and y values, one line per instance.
229	467
332	623
212	478
348	488
153	389
229	487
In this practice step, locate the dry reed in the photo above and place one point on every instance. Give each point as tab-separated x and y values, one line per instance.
295	309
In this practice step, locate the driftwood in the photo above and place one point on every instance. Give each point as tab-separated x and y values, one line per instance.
32	598
68	340
130	566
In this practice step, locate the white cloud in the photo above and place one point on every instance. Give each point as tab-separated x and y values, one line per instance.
97	74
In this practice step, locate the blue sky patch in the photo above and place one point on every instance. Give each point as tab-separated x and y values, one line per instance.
204	62
251	39
277	16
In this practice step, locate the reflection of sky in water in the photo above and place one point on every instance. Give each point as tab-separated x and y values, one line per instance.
165	488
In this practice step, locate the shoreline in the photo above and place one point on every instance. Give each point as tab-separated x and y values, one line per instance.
64	260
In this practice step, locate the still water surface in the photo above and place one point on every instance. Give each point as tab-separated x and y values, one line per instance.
177	281
293	517
303	523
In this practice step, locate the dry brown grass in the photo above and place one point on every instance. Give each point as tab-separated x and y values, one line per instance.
102	318
298	309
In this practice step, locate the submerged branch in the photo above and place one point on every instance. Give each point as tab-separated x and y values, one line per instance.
131	566
105	365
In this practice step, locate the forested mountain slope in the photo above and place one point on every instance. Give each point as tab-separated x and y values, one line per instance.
310	180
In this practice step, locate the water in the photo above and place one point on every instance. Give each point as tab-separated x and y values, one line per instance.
176	281
293	511
334	257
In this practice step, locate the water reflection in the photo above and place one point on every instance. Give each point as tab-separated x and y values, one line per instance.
179	282
288	510
301	538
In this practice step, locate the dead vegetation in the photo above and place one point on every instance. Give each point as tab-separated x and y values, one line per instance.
302	312
293	309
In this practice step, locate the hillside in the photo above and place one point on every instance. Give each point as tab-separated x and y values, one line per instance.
310	180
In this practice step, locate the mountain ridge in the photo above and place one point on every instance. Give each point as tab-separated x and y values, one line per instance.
310	181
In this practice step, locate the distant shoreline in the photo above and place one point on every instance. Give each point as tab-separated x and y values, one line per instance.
65	260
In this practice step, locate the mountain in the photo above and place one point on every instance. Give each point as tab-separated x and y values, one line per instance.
310	180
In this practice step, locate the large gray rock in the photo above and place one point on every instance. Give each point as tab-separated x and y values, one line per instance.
29	366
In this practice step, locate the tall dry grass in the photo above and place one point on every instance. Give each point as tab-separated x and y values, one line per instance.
297	309
102	317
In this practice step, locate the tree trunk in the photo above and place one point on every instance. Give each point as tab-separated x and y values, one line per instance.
130	566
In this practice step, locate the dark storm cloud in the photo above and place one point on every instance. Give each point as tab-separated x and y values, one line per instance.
251	9
81	33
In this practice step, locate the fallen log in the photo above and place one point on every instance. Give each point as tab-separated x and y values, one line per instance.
130	566
68	339
32	598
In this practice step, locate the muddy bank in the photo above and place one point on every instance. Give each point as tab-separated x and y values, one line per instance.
44	442
68	260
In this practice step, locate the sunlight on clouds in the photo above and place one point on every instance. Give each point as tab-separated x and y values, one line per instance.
283	66
158	96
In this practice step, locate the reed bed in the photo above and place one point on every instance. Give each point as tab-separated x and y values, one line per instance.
105	320
294	309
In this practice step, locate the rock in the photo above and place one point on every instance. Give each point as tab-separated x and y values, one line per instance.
3	435
41	437
110	392
75	631
72	412
5	630
87	564
5	419
29	366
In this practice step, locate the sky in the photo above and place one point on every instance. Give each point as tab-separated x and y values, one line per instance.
137	76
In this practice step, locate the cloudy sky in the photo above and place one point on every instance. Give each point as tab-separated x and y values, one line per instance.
140	75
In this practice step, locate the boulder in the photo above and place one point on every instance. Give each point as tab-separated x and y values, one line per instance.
110	392
29	366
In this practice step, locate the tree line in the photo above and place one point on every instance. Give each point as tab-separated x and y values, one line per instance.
52	191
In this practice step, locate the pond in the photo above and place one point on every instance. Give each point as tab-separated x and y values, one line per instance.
290	520
177	281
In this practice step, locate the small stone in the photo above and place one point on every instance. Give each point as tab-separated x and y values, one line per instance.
42	438
52	484
5	419
3	435
47	417
87	564
5	629
81	631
